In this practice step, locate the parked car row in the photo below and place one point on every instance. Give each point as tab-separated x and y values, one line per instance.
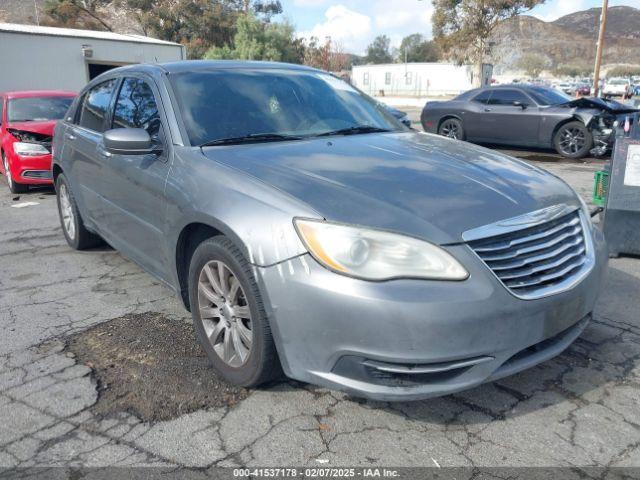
310	232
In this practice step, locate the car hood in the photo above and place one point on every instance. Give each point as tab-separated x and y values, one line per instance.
610	106
43	128
414	183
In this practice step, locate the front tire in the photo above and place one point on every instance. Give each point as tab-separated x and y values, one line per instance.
573	140
14	187
452	128
229	318
76	234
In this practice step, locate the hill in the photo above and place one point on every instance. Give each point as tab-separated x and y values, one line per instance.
570	40
622	22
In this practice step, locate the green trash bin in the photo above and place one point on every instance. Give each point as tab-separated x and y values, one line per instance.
600	186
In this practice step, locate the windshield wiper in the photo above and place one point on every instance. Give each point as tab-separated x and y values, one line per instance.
253	137
355	130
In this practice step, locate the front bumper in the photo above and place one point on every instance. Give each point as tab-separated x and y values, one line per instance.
413	339
31	170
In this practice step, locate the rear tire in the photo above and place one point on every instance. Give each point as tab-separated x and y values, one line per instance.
452	128
231	317
76	234
14	187
573	140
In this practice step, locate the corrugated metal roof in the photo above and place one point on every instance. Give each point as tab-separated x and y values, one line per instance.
70	32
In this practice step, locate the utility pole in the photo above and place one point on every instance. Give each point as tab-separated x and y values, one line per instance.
603	26
35	5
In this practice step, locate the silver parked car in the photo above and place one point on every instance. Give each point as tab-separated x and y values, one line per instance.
309	231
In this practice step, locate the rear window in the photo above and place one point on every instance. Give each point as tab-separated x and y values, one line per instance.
618	81
37	109
466	95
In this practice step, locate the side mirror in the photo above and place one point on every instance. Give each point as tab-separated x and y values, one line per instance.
520	104
128	141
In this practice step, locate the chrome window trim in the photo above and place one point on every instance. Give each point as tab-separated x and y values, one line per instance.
533	219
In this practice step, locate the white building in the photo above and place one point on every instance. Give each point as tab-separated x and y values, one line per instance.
35	58
416	79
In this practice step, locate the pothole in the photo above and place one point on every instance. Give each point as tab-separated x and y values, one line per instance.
150	366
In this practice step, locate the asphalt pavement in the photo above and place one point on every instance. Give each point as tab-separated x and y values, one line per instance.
581	408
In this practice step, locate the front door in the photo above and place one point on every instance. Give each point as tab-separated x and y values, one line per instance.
81	143
511	117
474	124
134	184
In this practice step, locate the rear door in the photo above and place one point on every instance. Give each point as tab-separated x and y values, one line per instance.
81	141
506	122
133	185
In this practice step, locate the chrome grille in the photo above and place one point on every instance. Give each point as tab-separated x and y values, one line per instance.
537	260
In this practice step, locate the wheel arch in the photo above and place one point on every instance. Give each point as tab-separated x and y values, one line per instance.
560	124
191	235
56	171
447	117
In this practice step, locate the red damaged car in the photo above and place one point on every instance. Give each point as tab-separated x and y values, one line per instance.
27	120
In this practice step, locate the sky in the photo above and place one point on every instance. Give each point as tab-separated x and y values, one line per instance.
355	23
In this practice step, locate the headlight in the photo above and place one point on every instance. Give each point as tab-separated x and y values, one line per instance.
29	149
374	254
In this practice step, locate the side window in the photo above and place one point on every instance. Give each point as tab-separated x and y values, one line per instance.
95	105
1	109
136	107
483	97
507	97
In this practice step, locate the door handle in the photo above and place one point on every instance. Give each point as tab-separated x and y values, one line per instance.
69	136
487	109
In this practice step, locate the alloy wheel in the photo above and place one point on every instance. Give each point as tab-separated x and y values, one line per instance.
450	129
572	140
68	220
225	313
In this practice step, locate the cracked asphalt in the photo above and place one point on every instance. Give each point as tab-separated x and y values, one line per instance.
579	409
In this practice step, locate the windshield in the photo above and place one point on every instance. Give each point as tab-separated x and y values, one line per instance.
548	96
230	103
618	81
37	109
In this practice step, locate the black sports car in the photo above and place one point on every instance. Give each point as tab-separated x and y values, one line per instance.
527	116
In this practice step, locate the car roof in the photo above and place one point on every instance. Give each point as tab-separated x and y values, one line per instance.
523	86
38	93
196	65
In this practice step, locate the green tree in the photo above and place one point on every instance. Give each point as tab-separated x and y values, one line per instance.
416	48
533	64
379	51
462	28
83	14
198	24
257	40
